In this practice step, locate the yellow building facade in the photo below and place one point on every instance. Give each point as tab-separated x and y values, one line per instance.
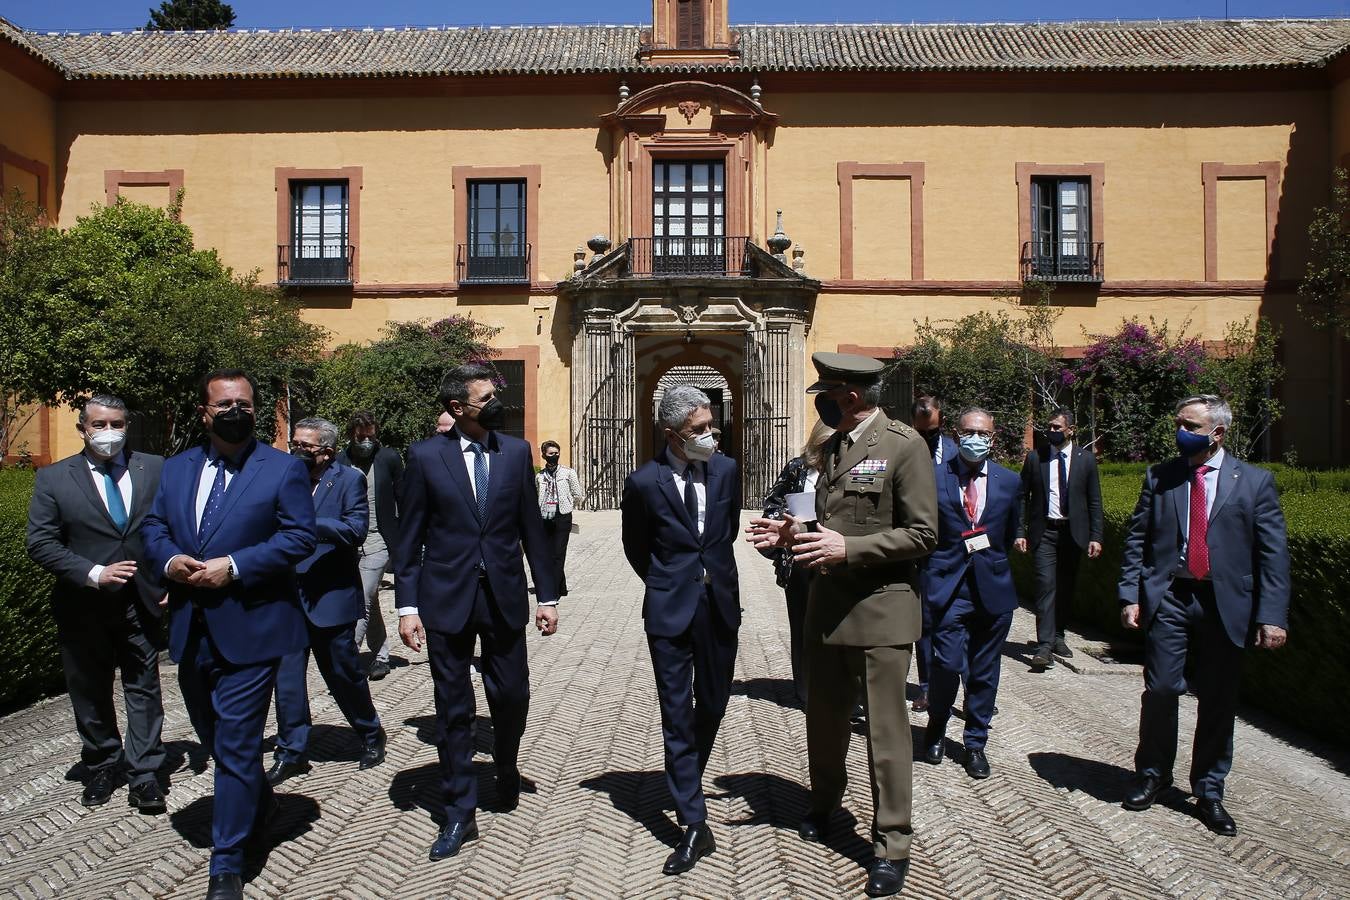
609	196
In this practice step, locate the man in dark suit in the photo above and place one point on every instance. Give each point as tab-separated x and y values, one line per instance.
331	596
468	498
1205	573
926	418
679	526
968	587
1062	500
383	468
84	524
231	522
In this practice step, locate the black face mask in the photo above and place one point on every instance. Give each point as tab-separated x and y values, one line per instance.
828	410
492	415
1056	438
931	436
234	425
307	457
358	451
551	461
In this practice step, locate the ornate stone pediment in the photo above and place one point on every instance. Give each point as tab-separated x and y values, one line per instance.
685	105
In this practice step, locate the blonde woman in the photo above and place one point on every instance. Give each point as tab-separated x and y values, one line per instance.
800	474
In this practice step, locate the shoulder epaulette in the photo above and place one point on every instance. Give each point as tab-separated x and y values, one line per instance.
901	428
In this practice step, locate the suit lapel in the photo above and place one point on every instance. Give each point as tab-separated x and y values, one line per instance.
238	485
711	480
665	481
953	485
1227	482
1181	495
858	452
496	468
1047	472
453	455
140	494
79	470
325	487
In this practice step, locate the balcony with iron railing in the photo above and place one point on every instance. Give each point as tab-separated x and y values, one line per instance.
492	263
1062	261
328	265
706	256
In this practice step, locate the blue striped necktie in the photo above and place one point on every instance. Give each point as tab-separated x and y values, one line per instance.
480	478
214	500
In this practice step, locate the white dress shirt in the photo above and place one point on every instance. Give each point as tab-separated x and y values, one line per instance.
123	480
1052	489
812	476
857	434
937	452
698	473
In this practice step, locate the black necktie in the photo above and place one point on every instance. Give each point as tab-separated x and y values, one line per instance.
690	496
1063	485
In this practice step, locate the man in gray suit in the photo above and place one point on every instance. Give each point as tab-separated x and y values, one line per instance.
1205	572
84	527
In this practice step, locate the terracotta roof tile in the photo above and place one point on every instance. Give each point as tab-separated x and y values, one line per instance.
565	49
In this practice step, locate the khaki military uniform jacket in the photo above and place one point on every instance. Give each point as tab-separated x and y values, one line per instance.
880	494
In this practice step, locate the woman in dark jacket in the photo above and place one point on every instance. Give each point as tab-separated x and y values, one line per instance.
798	475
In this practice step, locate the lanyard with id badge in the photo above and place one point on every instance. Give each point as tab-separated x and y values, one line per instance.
976	538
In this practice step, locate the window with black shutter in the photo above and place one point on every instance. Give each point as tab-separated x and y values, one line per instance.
689	217
320	250
497	250
1061	229
512	395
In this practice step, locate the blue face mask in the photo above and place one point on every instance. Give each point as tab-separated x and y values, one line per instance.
975	447
1191	444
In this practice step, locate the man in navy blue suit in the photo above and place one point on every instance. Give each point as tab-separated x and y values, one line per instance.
1205	573
468	498
968	587
230	523
925	415
333	598
680	518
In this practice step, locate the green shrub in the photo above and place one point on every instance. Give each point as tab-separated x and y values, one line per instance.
30	664
1301	683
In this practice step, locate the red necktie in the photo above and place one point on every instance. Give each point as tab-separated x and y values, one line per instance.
972	498
1197	541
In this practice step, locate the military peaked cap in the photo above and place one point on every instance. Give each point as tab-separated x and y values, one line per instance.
834	369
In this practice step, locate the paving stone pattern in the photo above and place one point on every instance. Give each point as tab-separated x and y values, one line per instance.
599	824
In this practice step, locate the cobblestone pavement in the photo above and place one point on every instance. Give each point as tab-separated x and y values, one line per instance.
599	824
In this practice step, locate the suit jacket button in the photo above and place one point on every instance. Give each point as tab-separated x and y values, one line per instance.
827	515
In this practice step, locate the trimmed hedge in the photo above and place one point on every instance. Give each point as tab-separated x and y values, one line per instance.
1302	683
30	663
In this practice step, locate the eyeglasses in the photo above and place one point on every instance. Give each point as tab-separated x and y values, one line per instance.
304	445
970	432
227	404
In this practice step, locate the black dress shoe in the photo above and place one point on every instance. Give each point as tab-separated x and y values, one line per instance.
147	797
227	886
1062	649
1215	817
887	877
920	703
508	789
378	669
813	828
696	844
1042	658
373	753
977	765
99	789
1144	791
452	837
932	754
283	769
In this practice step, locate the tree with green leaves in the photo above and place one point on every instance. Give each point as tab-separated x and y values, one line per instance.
1324	292
191	15
125	304
397	377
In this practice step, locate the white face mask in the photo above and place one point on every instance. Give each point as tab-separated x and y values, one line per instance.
700	447
107	443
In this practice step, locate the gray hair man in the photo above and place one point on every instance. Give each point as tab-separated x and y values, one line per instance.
679	527
84	527
1205	572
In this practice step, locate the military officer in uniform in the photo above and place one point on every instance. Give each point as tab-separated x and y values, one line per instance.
876	510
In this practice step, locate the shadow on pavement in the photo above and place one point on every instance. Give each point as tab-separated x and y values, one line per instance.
783	803
1100	780
775	690
427	731
643	797
421	788
296	816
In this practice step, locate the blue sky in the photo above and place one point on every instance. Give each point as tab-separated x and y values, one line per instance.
49	15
